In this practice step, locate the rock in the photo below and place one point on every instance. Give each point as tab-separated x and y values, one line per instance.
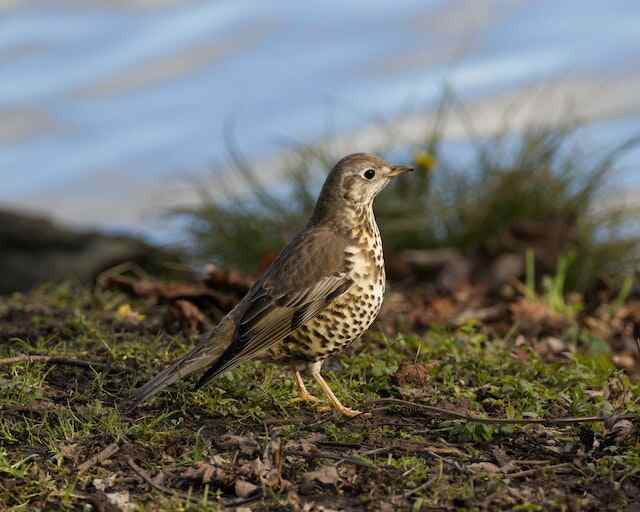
34	250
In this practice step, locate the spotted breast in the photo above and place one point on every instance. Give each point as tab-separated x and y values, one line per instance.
351	314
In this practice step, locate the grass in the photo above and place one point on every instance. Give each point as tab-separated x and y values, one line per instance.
54	418
534	190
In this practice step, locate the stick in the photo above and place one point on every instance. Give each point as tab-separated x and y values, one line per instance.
25	358
428	483
37	408
99	458
334	456
533	471
439	411
147	478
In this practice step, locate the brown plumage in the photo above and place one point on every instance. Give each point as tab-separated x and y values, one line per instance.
320	294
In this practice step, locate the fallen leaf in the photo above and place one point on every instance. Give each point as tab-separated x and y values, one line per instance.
484	467
314	507
102	484
70	451
170	291
247	445
302	445
535	317
188	314
412	374
122	500
244	488
327	475
556	345
621	431
206	472
625	361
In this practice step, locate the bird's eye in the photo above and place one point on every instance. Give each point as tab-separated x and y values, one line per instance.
369	174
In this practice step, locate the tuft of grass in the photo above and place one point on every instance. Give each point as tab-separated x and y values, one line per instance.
532	190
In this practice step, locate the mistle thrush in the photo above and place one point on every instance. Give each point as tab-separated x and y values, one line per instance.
319	295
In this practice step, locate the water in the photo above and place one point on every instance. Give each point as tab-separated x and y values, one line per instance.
102	104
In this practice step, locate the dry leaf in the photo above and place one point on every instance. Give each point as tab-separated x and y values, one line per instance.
122	500
484	467
206	472
412	374
625	361
102	484
244	488
327	475
314	507
621	431
190	317
247	445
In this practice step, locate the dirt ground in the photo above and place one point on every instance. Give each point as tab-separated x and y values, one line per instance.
69	358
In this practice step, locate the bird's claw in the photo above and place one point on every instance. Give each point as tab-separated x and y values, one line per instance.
308	398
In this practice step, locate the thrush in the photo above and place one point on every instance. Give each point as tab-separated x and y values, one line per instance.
318	296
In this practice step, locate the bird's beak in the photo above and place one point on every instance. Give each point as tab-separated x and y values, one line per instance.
397	170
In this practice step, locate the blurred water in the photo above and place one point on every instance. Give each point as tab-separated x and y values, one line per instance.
99	100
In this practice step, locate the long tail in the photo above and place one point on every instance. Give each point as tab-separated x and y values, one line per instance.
204	354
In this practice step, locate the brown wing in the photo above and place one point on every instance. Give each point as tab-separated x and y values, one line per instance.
308	275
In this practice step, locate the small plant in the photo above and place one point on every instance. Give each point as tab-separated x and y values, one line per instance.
553	287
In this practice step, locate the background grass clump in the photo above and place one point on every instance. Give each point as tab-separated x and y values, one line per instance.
531	190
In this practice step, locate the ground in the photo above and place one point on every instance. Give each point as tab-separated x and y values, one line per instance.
66	444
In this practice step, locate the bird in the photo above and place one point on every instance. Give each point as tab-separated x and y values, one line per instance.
319	295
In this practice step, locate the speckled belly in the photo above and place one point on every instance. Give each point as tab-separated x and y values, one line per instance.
342	322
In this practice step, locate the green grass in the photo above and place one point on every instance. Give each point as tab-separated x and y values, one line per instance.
54	418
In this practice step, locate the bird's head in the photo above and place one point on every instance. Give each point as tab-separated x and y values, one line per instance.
354	182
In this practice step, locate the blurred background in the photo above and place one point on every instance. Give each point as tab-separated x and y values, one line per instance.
173	120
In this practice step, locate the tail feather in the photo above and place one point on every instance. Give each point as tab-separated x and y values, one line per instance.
204	354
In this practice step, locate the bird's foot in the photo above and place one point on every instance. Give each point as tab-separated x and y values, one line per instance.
305	398
352	413
345	411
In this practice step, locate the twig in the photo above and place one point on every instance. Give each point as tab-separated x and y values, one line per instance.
428	483
99	458
51	360
147	478
377	451
439	411
119	270
638	345
356	461
533	471
37	408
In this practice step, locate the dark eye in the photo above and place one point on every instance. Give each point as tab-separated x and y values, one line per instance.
369	174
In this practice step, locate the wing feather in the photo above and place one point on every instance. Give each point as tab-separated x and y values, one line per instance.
306	277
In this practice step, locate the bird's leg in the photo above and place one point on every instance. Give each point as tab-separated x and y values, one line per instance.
333	399
303	394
